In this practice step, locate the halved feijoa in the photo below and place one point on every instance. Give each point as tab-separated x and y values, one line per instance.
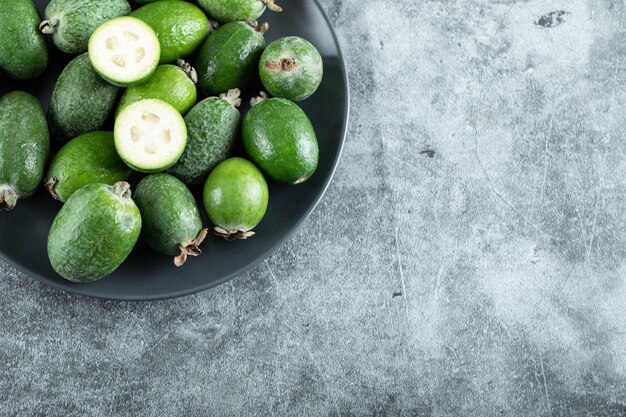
150	135
171	219
235	198
124	51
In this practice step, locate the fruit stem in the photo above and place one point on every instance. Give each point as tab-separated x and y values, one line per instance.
190	248
261	98
273	7
234	235
232	97
8	197
214	24
122	190
50	185
189	70
48	27
259	28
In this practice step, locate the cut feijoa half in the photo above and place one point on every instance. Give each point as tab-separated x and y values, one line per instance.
124	51
150	135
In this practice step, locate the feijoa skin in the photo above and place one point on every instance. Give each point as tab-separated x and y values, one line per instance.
211	129
87	159
291	68
23	50
229	57
180	26
171	218
24	147
81	101
172	84
235	198
71	22
94	232
280	139
237	10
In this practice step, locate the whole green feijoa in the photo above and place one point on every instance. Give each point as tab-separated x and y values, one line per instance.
24	147
180	26
110	224
237	10
235	198
280	139
23	50
71	22
211	129
142	2
173	84
291	68
81	101
87	159
171	219
229	57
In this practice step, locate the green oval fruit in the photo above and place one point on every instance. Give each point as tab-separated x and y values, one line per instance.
237	10
125	51
229	57
170	83
279	138
24	147
71	22
291	68
88	159
180	26
211	129
142	2
235	197
110	224
23	50
81	101
171	219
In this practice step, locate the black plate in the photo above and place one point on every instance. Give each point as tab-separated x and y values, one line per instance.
147	275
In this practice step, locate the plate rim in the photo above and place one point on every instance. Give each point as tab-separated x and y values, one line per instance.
262	257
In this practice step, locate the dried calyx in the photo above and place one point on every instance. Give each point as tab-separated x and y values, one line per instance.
190	248
256	100
284	65
232	96
259	28
122	190
188	69
48	27
272	6
234	235
8	198
50	185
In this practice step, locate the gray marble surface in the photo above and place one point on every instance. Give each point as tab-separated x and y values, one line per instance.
468	259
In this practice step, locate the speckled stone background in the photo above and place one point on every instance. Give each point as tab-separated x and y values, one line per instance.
468	259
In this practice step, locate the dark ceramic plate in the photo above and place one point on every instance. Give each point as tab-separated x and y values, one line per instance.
147	275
